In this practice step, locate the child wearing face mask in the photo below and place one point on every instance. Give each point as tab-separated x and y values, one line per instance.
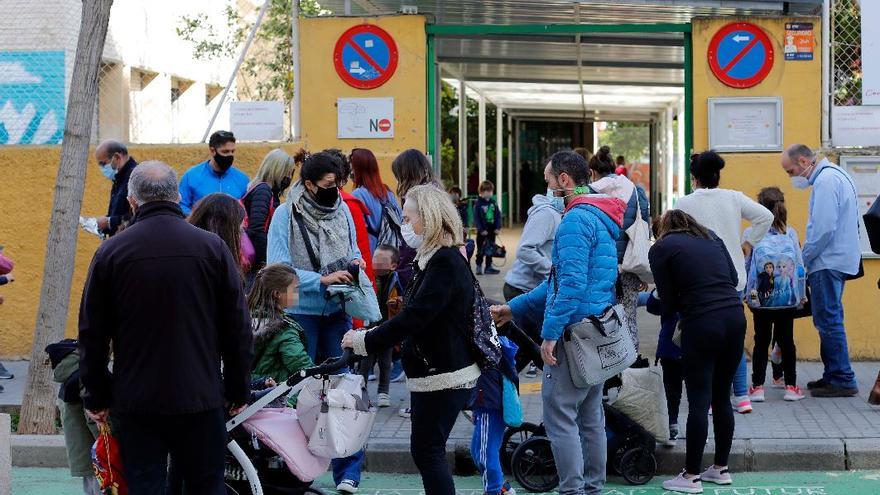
390	292
487	220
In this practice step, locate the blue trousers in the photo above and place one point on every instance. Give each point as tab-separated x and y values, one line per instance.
485	447
741	378
323	340
827	292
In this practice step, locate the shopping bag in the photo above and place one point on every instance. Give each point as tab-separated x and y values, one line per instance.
598	347
335	415
107	462
635	257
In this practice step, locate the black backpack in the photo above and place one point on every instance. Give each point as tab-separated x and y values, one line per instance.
872	225
483	339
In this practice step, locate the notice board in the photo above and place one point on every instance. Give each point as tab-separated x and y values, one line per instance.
745	124
865	172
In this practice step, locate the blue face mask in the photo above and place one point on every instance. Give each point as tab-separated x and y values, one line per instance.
108	171
557	202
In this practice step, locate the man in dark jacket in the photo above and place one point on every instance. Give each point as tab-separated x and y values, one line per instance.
116	165
184	311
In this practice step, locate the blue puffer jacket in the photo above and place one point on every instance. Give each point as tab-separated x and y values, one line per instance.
584	272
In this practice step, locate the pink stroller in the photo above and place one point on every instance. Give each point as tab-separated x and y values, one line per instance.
268	450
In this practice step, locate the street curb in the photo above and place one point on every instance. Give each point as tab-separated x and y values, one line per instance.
393	456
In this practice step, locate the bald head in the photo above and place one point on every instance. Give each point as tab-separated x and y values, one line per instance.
797	159
111	152
153	181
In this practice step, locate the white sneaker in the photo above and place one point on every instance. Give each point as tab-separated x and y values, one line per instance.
756	394
793	393
718	476
743	404
347	486
404	412
681	484
384	400
778	383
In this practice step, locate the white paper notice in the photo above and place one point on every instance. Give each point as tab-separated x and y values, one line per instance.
365	118
257	120
870	50
855	126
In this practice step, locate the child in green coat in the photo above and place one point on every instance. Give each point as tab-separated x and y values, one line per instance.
279	342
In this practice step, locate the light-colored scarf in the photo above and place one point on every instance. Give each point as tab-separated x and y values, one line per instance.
328	230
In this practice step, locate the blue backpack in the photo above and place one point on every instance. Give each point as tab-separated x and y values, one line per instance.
775	279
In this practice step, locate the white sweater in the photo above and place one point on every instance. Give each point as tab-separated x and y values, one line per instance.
723	211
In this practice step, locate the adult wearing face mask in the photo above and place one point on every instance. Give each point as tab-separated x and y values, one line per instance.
313	231
215	174
831	256
116	165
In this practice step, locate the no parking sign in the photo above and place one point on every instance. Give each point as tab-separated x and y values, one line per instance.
365	56
740	55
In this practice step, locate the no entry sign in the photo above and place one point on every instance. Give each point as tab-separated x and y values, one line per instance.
365	56
740	55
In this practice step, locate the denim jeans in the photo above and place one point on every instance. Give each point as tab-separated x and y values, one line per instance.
827	294
741	378
324	340
575	423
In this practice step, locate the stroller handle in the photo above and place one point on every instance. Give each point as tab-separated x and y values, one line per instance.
329	367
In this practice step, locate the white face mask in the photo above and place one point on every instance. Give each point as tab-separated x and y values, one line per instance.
799	182
412	239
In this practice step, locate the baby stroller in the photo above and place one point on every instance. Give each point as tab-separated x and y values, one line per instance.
526	452
253	467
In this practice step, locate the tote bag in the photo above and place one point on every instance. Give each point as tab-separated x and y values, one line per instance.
635	257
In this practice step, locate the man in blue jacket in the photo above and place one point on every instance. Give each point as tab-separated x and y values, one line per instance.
581	284
213	175
831	253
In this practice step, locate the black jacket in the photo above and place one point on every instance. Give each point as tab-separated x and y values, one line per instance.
693	276
119	211
169	298
437	314
258	202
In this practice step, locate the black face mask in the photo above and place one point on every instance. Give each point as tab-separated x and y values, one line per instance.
326	196
285	183
223	162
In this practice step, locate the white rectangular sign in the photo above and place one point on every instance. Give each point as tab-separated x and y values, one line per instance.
870	50
865	171
855	126
365	118
257	120
745	124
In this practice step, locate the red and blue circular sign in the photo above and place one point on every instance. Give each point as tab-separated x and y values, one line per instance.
365	56
740	55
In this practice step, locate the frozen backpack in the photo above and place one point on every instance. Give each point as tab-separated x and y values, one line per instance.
775	278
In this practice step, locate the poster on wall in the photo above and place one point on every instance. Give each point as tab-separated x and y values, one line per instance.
865	171
365	118
855	126
870	44
32	99
745	124
798	41
257	120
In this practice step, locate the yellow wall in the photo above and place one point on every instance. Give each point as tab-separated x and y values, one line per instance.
799	85
321	86
26	196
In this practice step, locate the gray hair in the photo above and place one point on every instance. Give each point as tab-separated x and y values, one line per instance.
153	181
796	151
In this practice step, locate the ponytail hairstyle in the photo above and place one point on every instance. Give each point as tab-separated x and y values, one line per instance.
706	168
602	162
773	199
269	284
679	222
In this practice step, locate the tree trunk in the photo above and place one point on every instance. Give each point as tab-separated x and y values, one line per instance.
38	408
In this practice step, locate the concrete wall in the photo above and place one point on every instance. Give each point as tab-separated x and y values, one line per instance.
799	85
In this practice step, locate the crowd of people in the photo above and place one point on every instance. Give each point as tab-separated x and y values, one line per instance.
259	256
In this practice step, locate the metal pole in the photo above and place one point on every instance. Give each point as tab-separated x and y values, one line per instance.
499	144
669	162
826	74
518	162
682	156
462	137
295	115
247	44
511	191
481	141
688	106
432	93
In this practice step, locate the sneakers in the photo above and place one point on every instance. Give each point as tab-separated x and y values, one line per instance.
673	431
778	383
404	412
718	476
793	393
384	400
506	489
681	484
816	384
347	486
832	391
371	377
479	270
532	372
756	394
491	271
397	374
743	404
6	375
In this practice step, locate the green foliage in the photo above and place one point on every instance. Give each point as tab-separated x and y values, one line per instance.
628	139
269	70
449	136
847	53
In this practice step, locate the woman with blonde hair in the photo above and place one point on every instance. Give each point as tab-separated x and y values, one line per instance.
264	195
437	316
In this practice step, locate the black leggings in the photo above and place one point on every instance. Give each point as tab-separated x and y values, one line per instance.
433	416
712	345
673	378
770	327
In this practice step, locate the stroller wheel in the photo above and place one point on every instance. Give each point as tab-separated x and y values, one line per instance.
512	439
638	466
533	465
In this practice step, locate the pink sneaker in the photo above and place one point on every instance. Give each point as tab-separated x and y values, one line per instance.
756	394
743	404
778	383
793	393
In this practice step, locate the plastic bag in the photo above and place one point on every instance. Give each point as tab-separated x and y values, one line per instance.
107	462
